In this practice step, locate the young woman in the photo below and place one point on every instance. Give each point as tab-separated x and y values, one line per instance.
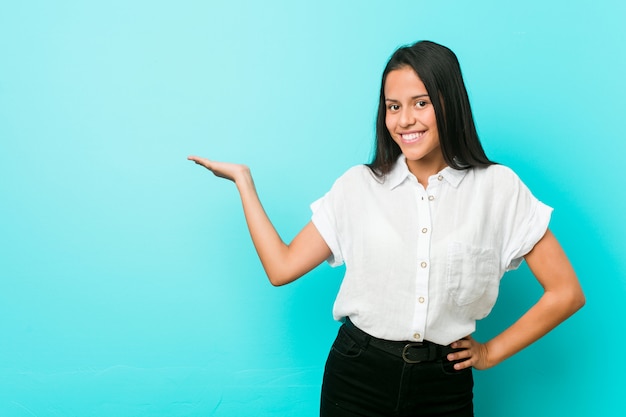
426	231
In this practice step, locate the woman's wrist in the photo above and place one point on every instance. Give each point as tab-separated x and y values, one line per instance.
243	178
495	352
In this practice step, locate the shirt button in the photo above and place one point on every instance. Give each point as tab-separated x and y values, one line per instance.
421	300
417	335
440	177
424	264
424	230
431	197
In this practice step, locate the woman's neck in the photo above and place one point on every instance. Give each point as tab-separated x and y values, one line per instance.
424	169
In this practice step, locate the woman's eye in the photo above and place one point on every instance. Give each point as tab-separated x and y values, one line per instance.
421	104
394	107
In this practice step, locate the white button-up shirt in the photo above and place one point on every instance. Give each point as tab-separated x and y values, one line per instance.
426	263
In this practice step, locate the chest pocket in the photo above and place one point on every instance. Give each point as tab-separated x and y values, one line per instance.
471	272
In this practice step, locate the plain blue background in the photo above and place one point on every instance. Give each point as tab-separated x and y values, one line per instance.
129	286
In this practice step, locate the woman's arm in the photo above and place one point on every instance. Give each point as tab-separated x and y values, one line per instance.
282	263
562	297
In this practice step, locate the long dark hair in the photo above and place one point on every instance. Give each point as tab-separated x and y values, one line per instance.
439	70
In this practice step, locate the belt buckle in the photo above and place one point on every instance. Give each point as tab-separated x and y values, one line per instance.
406	349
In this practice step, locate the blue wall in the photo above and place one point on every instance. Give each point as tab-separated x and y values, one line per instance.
128	284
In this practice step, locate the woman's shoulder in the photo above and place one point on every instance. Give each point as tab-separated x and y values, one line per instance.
500	178
355	180
358	174
497	173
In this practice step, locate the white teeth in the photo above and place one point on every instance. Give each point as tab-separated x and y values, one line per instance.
412	136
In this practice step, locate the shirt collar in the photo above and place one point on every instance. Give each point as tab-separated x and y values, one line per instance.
400	172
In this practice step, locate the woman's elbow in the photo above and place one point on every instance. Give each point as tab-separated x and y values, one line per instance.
280	278
285	272
580	300
277	281
575	300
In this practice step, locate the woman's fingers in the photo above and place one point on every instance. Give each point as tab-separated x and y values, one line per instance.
208	164
474	354
221	169
200	161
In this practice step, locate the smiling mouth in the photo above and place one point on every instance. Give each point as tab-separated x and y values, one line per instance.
412	137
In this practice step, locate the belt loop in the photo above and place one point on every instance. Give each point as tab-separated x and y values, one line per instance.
358	334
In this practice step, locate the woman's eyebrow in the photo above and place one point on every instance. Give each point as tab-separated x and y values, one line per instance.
412	98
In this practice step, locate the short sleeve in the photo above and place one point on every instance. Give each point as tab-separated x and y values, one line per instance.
324	218
527	223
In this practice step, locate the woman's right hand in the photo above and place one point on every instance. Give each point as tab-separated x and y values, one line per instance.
283	263
233	172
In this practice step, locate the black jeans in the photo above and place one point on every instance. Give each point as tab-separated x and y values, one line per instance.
361	380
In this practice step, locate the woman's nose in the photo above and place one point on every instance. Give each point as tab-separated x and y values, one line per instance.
407	118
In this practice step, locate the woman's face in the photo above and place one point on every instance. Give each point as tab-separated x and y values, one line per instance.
410	119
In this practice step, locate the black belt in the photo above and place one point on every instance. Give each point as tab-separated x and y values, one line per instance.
410	352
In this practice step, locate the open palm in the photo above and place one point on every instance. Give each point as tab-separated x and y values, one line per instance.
222	169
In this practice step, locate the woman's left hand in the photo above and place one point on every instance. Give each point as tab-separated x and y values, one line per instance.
561	298
475	354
